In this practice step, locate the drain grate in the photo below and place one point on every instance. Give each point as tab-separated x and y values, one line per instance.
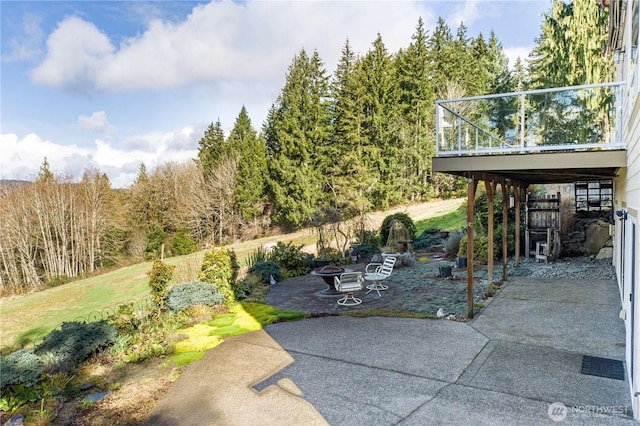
602	367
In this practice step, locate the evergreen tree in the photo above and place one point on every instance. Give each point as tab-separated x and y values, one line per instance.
252	166
503	111
296	129
349	180
416	103
520	78
378	91
142	174
44	174
570	51
441	55
211	147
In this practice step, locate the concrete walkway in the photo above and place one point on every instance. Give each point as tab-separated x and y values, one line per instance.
517	363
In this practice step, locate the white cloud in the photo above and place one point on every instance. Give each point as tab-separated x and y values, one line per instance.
513	53
77	51
96	122
220	41
120	164
22	158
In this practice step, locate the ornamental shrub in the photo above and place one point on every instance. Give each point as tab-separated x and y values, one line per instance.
21	367
400	217
367	249
220	268
186	295
452	243
62	350
427	238
159	277
290	258
480	248
265	269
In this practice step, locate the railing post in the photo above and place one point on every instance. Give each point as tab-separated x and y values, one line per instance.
438	129
459	134
522	127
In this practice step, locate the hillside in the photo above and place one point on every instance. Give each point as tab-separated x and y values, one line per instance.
33	315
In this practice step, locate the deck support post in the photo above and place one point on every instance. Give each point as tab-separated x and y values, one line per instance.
472	184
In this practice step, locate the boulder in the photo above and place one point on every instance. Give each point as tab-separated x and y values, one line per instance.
605	253
597	236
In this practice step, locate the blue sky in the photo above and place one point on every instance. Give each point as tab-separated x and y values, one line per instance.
111	84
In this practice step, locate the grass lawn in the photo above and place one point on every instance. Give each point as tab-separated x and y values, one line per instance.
34	315
453	220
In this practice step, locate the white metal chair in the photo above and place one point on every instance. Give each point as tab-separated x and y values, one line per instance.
378	272
348	283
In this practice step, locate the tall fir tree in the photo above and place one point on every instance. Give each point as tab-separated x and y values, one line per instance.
441	55
378	90
349	180
250	194
297	127
503	111
211	147
569	52
416	103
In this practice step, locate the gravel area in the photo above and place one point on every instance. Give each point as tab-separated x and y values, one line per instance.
578	268
420	289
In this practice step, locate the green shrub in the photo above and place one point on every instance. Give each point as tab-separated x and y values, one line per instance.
427	238
370	237
400	217
462	247
291	258
265	270
182	243
159	277
452	243
21	367
256	256
62	350
367	249
220	268
252	288
155	239
481	220
480	248
186	295
128	319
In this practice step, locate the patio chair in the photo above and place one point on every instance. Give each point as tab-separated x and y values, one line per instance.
348	283
378	272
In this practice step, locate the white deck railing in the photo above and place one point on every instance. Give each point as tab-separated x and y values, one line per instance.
559	119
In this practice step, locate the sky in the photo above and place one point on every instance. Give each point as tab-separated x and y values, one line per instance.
111	84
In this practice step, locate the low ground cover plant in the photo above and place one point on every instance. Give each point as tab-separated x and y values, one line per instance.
179	323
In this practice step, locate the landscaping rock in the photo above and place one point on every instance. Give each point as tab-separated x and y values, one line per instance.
596	237
605	253
17	420
96	396
87	386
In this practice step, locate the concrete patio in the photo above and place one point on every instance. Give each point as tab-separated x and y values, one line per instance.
517	363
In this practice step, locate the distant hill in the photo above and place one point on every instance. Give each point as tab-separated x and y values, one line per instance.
14	183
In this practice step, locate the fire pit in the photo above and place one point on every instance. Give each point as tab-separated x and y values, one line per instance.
327	273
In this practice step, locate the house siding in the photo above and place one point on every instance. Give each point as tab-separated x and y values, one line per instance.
627	231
